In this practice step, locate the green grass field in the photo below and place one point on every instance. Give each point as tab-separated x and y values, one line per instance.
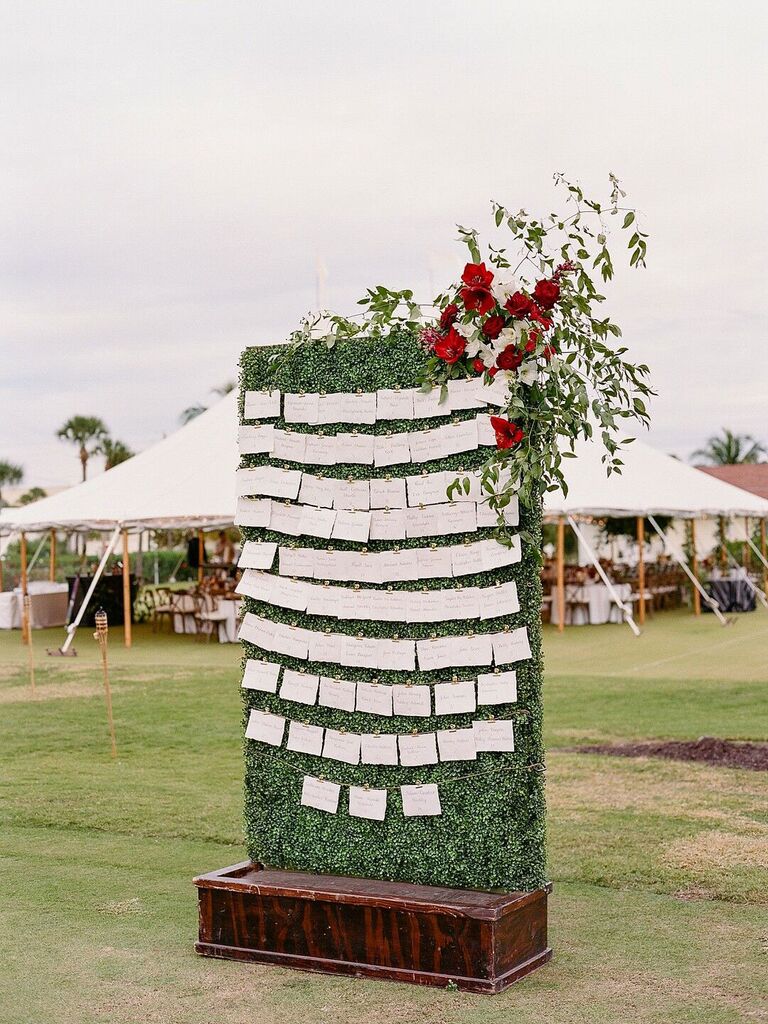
660	909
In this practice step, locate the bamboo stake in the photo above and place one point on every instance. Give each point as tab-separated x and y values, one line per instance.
200	555
746	559
24	588
128	637
641	569
27	628
102	629
52	558
695	568
763	546
561	575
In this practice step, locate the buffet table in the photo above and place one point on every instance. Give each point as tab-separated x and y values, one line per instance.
732	595
48	606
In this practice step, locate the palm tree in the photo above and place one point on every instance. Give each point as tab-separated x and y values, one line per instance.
114	452
195	410
33	494
82	431
10	473
730	449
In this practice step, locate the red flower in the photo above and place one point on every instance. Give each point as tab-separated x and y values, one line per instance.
451	347
518	305
509	358
533	337
448	316
538	317
478	366
508	434
477	293
546	293
548	351
493	327
492	371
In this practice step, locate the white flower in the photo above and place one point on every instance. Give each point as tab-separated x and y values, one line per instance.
510	336
528	372
467	331
501	290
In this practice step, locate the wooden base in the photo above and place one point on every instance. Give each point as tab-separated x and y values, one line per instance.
477	941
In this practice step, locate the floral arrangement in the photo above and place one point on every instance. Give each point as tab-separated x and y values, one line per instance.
527	320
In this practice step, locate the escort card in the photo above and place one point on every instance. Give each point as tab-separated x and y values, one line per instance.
357	408
455	698
393	404
424	521
497	688
290	446
397	566
427	404
255	584
391	449
320	794
351	494
434	653
360	652
288	593
325	647
378	749
305	739
420	800
497	392
286	518
512	646
261	405
387	605
388	493
328	409
424	606
487	517
337	693
257	555
296	561
253	512
367	803
299	686
499	600
350	604
498	736
465	559
261	675
434	563
355	449
494	555
463	394
428	489
457	744
256	630
418	749
320	450
270	481
397	655
425	445
388	524
317	522
265	727
457	517
300	408
352	526
332	565
458	437
342	746
256	440
290	640
461	603
486	435
473	650
323	600
315	490
375	699
412	700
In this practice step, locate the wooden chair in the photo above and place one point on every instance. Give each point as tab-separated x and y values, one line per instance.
208	615
161	607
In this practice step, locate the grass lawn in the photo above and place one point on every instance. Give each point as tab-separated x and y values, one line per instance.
660	909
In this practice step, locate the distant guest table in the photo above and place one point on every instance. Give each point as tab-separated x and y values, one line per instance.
48	606
590	604
225	615
731	595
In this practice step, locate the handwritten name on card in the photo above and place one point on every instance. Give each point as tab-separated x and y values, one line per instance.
320	794
368	803
387	493
420	800
265	727
456	744
394	403
342	746
412	700
454	698
417	750
337	693
305	739
261	675
260	405
299	686
511	647
498	736
375	699
497	688
378	749
253	512
257	555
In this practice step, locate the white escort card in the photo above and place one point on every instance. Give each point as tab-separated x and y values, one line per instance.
427	404
256	440
289	446
511	647
457	744
350	525
299	686
305	739
368	803
429	488
290	640
337	693
296	561
317	522
454	652
412	700
256	630
354	449
387	493
320	450
261	675
499	600
417	749
455	698
286	518
378	748
420	800
391	449
464	394
375	699
261	405
270	481
357	408
486	516
497	688
351	494
257	555
342	746
253	512
316	490
320	794
433	563
499	736
388	524
302	408
394	403
265	727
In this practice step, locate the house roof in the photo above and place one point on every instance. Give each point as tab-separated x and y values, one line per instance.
748	477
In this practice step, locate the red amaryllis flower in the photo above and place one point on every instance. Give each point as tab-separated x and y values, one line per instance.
493	327
518	305
546	293
477	293
533	337
508	434
548	351
451	347
509	358
538	317
449	316
478	366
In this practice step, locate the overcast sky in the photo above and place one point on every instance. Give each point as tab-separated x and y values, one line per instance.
172	172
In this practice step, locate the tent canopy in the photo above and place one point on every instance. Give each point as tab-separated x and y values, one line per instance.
188	481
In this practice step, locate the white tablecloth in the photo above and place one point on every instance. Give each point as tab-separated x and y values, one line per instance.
598	600
48	605
184	619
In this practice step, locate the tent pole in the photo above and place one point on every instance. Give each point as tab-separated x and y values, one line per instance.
747	533
52	558
759	594
126	592
723	546
695	568
36	555
641	569
560	575
24	581
763	547
200	554
686	569
72	627
625	608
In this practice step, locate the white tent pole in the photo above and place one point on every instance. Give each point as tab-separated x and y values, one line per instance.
626	609
757	551
38	549
753	587
72	627
684	566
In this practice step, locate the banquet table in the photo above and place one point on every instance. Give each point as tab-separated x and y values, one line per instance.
47	601
226	607
594	598
732	595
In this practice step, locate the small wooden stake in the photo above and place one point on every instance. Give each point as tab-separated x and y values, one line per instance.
102	628
52	558
641	569
561	574
126	592
746	558
763	547
695	568
200	555
27	629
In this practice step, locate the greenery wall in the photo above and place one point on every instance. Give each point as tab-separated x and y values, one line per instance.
491	831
